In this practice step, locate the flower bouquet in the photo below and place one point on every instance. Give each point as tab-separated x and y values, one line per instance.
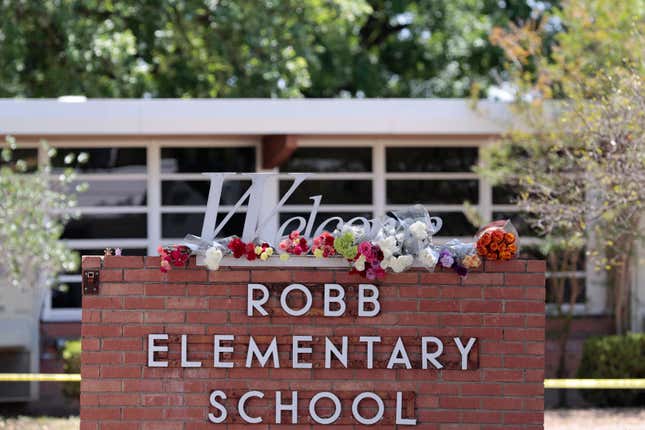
389	239
418	228
498	240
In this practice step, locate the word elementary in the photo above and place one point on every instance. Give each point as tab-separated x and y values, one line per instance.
429	348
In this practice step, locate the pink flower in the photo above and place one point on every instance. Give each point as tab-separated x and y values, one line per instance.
365	248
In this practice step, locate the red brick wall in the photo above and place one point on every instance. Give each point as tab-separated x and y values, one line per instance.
503	307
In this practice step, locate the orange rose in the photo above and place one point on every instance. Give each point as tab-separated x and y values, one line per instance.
505	255
509	238
491	256
512	248
481	250
485	239
494	246
502	247
497	236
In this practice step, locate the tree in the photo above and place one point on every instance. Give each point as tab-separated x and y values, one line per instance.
578	161
249	48
34	205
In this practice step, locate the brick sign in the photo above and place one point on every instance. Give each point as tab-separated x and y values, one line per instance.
193	349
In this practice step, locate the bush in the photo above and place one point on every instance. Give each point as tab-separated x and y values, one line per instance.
72	364
614	357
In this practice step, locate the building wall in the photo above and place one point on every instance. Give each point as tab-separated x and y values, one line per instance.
145	191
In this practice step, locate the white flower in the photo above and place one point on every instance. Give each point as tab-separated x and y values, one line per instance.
388	246
419	230
428	257
213	258
400	263
359	264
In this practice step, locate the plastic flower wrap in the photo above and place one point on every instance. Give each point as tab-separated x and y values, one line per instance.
389	239
294	244
451	256
429	257
498	240
323	245
418	227
212	251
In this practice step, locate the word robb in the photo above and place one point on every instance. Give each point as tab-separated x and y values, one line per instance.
430	348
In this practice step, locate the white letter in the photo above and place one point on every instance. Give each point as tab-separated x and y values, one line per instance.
285	306
217	405
242	411
252	303
399	356
425	356
297	349
370	340
399	412
357	415
218	349
291	407
329	299
464	351
253	226
324	395
152	348
362	312
331	348
184	355
272	350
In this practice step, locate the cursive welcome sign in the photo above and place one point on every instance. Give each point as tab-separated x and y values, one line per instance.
257	226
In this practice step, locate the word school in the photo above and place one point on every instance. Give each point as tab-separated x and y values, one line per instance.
431	349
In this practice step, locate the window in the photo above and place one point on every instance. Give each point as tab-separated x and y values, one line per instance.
344	178
438	176
184	190
151	192
112	213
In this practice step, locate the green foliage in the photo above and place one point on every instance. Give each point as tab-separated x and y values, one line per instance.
71	355
578	162
250	48
34	206
614	357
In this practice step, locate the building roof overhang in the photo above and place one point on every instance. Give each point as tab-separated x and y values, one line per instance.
143	117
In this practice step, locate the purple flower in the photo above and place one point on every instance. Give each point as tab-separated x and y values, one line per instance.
446	259
370	274
461	270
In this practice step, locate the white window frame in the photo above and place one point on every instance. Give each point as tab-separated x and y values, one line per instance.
378	175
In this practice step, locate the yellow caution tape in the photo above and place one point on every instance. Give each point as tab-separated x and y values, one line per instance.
580	384
55	377
594	384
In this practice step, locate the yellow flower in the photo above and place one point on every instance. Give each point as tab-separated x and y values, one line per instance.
258	250
284	257
264	256
269	251
318	253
